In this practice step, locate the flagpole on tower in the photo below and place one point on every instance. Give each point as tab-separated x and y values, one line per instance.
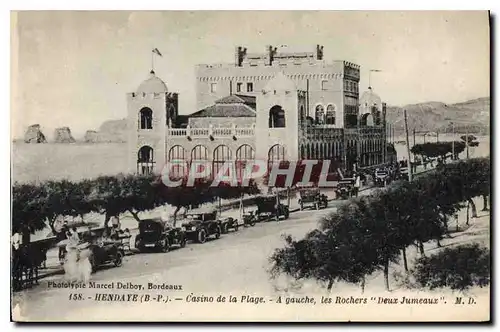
370	76
153	52
152	61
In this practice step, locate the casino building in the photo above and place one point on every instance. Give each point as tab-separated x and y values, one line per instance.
268	106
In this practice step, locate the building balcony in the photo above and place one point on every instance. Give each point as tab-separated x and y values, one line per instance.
211	132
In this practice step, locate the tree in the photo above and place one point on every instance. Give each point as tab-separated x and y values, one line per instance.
66	198
438	149
113	195
27	209
366	233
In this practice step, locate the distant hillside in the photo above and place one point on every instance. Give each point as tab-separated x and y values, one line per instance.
431	116
112	131
437	116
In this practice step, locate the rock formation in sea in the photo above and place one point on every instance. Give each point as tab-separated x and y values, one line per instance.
91	136
34	135
63	135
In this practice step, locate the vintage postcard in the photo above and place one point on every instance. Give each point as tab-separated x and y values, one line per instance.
244	166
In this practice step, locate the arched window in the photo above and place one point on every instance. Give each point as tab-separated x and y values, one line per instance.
313	152
199	152
177	156
309	156
199	155
176	152
303	152
319	115
222	154
276	117
276	154
369	120
146	118
244	154
145	160
330	114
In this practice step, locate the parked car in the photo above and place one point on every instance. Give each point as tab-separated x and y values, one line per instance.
344	189
269	207
250	218
228	223
158	235
202	223
314	197
106	252
403	174
382	177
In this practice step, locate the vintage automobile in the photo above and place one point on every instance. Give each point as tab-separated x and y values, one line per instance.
202	223
381	177
344	189
156	234
312	196
268	207
228	223
403	174
250	218
106	252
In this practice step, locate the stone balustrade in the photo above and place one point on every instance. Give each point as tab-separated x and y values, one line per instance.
220	132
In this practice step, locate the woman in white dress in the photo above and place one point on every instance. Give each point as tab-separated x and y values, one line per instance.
77	266
71	261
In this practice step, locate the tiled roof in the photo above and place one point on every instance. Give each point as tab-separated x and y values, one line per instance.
232	99
225	110
250	100
236	106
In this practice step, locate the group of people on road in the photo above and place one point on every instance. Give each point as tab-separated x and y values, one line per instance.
74	254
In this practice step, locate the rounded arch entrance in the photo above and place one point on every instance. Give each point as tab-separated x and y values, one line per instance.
145	160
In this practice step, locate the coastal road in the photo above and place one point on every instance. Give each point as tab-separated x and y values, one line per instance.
235	263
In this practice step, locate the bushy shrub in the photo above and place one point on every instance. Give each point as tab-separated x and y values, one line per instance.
457	268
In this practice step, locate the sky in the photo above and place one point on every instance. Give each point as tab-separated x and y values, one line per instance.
74	68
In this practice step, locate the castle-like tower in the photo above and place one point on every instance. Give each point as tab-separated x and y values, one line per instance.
329	85
151	108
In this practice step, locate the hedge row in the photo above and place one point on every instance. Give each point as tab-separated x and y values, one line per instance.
367	233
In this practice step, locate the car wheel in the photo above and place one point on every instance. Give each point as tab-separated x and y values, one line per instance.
183	242
202	236
218	232
165	245
252	223
119	259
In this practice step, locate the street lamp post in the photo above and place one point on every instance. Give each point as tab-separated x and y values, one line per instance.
453	141
467	141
